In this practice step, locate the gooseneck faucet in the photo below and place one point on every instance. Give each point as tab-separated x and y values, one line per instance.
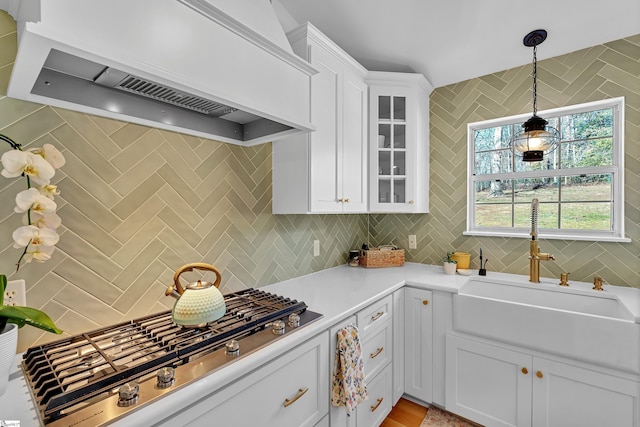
535	256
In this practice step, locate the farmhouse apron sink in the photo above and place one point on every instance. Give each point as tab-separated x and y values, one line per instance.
570	322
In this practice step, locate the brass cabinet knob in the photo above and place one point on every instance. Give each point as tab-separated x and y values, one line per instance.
347	200
539	374
425	302
525	371
341	200
411	202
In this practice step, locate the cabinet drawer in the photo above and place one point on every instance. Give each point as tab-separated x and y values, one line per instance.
290	391
375	314
377	350
377	406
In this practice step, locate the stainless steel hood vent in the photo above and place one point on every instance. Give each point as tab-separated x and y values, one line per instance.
211	68
161	93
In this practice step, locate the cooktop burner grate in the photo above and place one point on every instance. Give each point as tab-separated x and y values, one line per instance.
73	370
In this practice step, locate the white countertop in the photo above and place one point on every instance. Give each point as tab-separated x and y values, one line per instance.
336	293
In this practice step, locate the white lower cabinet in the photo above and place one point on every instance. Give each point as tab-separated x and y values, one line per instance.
496	386
373	410
323	422
398	344
375	314
375	328
290	391
567	395
338	414
418	347
377	349
486	384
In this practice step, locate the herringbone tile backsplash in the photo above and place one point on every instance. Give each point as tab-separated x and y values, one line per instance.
138	202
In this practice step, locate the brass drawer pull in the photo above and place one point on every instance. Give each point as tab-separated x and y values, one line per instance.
525	371
377	316
425	302
301	392
374	407
539	374
378	351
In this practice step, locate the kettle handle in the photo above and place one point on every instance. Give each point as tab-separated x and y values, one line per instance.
198	266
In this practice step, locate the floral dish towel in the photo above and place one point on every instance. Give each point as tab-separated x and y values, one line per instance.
348	386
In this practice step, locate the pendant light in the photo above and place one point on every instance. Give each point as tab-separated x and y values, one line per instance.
537	137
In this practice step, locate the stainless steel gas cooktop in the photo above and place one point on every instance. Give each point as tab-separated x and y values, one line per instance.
97	377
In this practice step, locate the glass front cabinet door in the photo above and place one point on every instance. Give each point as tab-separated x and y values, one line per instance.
399	142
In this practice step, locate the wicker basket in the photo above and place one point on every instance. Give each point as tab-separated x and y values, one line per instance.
375	257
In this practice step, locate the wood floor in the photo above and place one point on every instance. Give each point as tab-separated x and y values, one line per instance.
405	414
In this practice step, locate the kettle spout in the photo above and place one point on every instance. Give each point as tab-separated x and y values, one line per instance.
172	292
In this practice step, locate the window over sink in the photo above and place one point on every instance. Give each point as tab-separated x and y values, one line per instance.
579	184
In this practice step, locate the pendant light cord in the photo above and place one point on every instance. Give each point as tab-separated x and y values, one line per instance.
535	82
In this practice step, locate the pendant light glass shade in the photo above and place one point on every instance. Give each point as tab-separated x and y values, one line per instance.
536	137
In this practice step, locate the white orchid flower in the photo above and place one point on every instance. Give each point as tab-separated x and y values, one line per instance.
38	253
32	199
16	163
49	190
49	220
51	154
30	235
38	236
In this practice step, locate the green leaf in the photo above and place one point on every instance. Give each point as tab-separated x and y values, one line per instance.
3	286
28	316
24	315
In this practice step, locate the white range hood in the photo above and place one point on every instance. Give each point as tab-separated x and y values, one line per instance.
219	69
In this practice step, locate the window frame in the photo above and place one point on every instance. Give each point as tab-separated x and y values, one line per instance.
616	170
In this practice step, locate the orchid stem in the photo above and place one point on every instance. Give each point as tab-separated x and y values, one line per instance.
11	142
28	210
22	256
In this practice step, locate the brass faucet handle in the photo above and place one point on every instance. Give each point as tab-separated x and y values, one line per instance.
564	279
597	283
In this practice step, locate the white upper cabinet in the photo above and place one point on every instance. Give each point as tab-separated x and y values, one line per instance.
325	171
399	142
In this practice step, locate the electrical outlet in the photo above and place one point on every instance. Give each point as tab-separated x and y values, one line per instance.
412	241
316	247
15	293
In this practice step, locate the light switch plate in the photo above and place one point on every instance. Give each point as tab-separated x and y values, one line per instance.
316	248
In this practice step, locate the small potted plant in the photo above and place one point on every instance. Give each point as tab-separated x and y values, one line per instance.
449	264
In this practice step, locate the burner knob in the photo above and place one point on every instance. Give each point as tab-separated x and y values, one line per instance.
165	377
233	348
128	394
278	327
294	320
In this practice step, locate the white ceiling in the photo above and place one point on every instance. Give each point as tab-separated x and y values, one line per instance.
449	41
